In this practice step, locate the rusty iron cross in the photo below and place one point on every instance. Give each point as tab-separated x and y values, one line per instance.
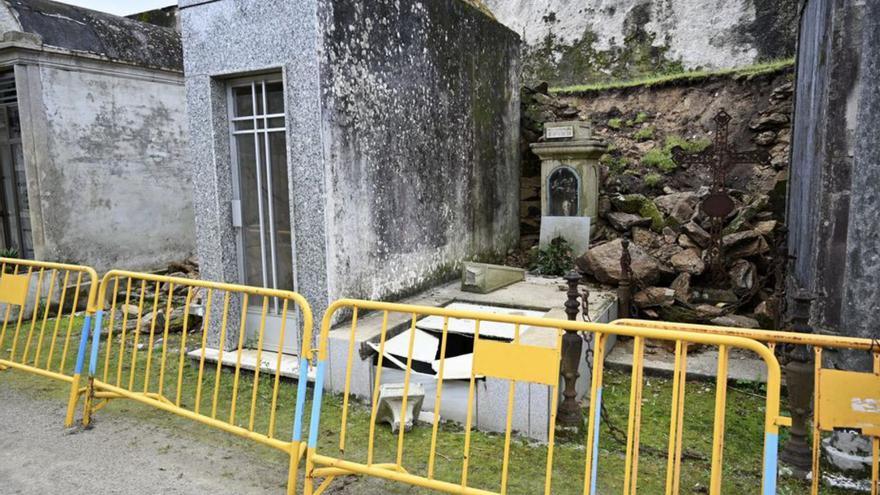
718	204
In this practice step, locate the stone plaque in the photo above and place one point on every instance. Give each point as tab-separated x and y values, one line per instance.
559	132
563	188
575	230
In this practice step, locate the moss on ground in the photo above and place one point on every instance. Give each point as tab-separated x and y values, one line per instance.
678	78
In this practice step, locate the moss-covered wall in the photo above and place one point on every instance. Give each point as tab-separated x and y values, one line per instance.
593	40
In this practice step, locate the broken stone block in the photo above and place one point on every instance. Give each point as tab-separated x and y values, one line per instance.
766	227
639	204
707	311
625	221
483	278
603	262
646	238
765	138
391	404
682	287
697	234
679	206
737	321
654	296
688	261
686	242
743	275
744	244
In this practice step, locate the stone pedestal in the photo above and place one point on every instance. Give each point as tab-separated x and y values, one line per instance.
569	169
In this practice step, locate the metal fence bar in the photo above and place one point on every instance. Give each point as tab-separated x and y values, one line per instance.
772	338
591	466
718	428
631	470
35	350
195	381
514	362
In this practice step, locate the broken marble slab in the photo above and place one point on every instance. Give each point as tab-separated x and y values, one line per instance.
489	329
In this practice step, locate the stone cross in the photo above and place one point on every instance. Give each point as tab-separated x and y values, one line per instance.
718	204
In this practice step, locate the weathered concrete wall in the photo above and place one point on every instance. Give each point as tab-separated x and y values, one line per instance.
420	105
107	177
833	208
572	42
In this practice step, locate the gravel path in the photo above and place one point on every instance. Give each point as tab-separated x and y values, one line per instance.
121	454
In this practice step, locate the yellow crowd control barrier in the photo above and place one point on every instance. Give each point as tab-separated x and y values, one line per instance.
842	399
146	357
517	361
40	303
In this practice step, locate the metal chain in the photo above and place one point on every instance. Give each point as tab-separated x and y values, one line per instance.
618	434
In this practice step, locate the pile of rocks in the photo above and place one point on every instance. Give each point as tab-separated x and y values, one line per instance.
669	240
150	316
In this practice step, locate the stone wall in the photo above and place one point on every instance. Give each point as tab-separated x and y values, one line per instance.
833	199
420	110
571	42
644	194
108	181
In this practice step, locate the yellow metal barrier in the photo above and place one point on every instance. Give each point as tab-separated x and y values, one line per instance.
145	355
519	361
40	303
842	399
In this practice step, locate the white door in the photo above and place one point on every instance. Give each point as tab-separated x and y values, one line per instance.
262	203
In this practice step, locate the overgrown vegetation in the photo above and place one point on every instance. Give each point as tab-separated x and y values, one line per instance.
616	164
661	158
644	134
9	253
653	179
682	77
555	259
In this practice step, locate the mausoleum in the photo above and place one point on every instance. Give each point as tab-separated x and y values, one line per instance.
343	148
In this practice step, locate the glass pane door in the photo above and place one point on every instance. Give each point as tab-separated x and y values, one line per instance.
260	153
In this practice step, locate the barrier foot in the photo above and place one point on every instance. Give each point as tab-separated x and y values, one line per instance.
324	485
3	368
87	406
72	400
293	470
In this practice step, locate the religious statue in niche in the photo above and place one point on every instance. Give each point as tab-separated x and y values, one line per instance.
563	186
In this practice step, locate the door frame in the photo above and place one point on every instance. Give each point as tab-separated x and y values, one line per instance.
253	317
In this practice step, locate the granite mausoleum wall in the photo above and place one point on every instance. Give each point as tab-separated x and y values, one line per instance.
420	112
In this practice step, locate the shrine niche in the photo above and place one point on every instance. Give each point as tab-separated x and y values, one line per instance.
569	169
563	188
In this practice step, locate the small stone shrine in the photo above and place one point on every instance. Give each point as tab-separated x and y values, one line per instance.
569	169
569	181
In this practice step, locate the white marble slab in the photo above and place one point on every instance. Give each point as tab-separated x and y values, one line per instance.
268	359
468	327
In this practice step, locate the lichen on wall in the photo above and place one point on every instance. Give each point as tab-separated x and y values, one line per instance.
420	112
595	40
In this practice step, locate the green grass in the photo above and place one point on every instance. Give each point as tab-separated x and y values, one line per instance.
653	179
644	134
660	158
616	164
742	455
680	78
